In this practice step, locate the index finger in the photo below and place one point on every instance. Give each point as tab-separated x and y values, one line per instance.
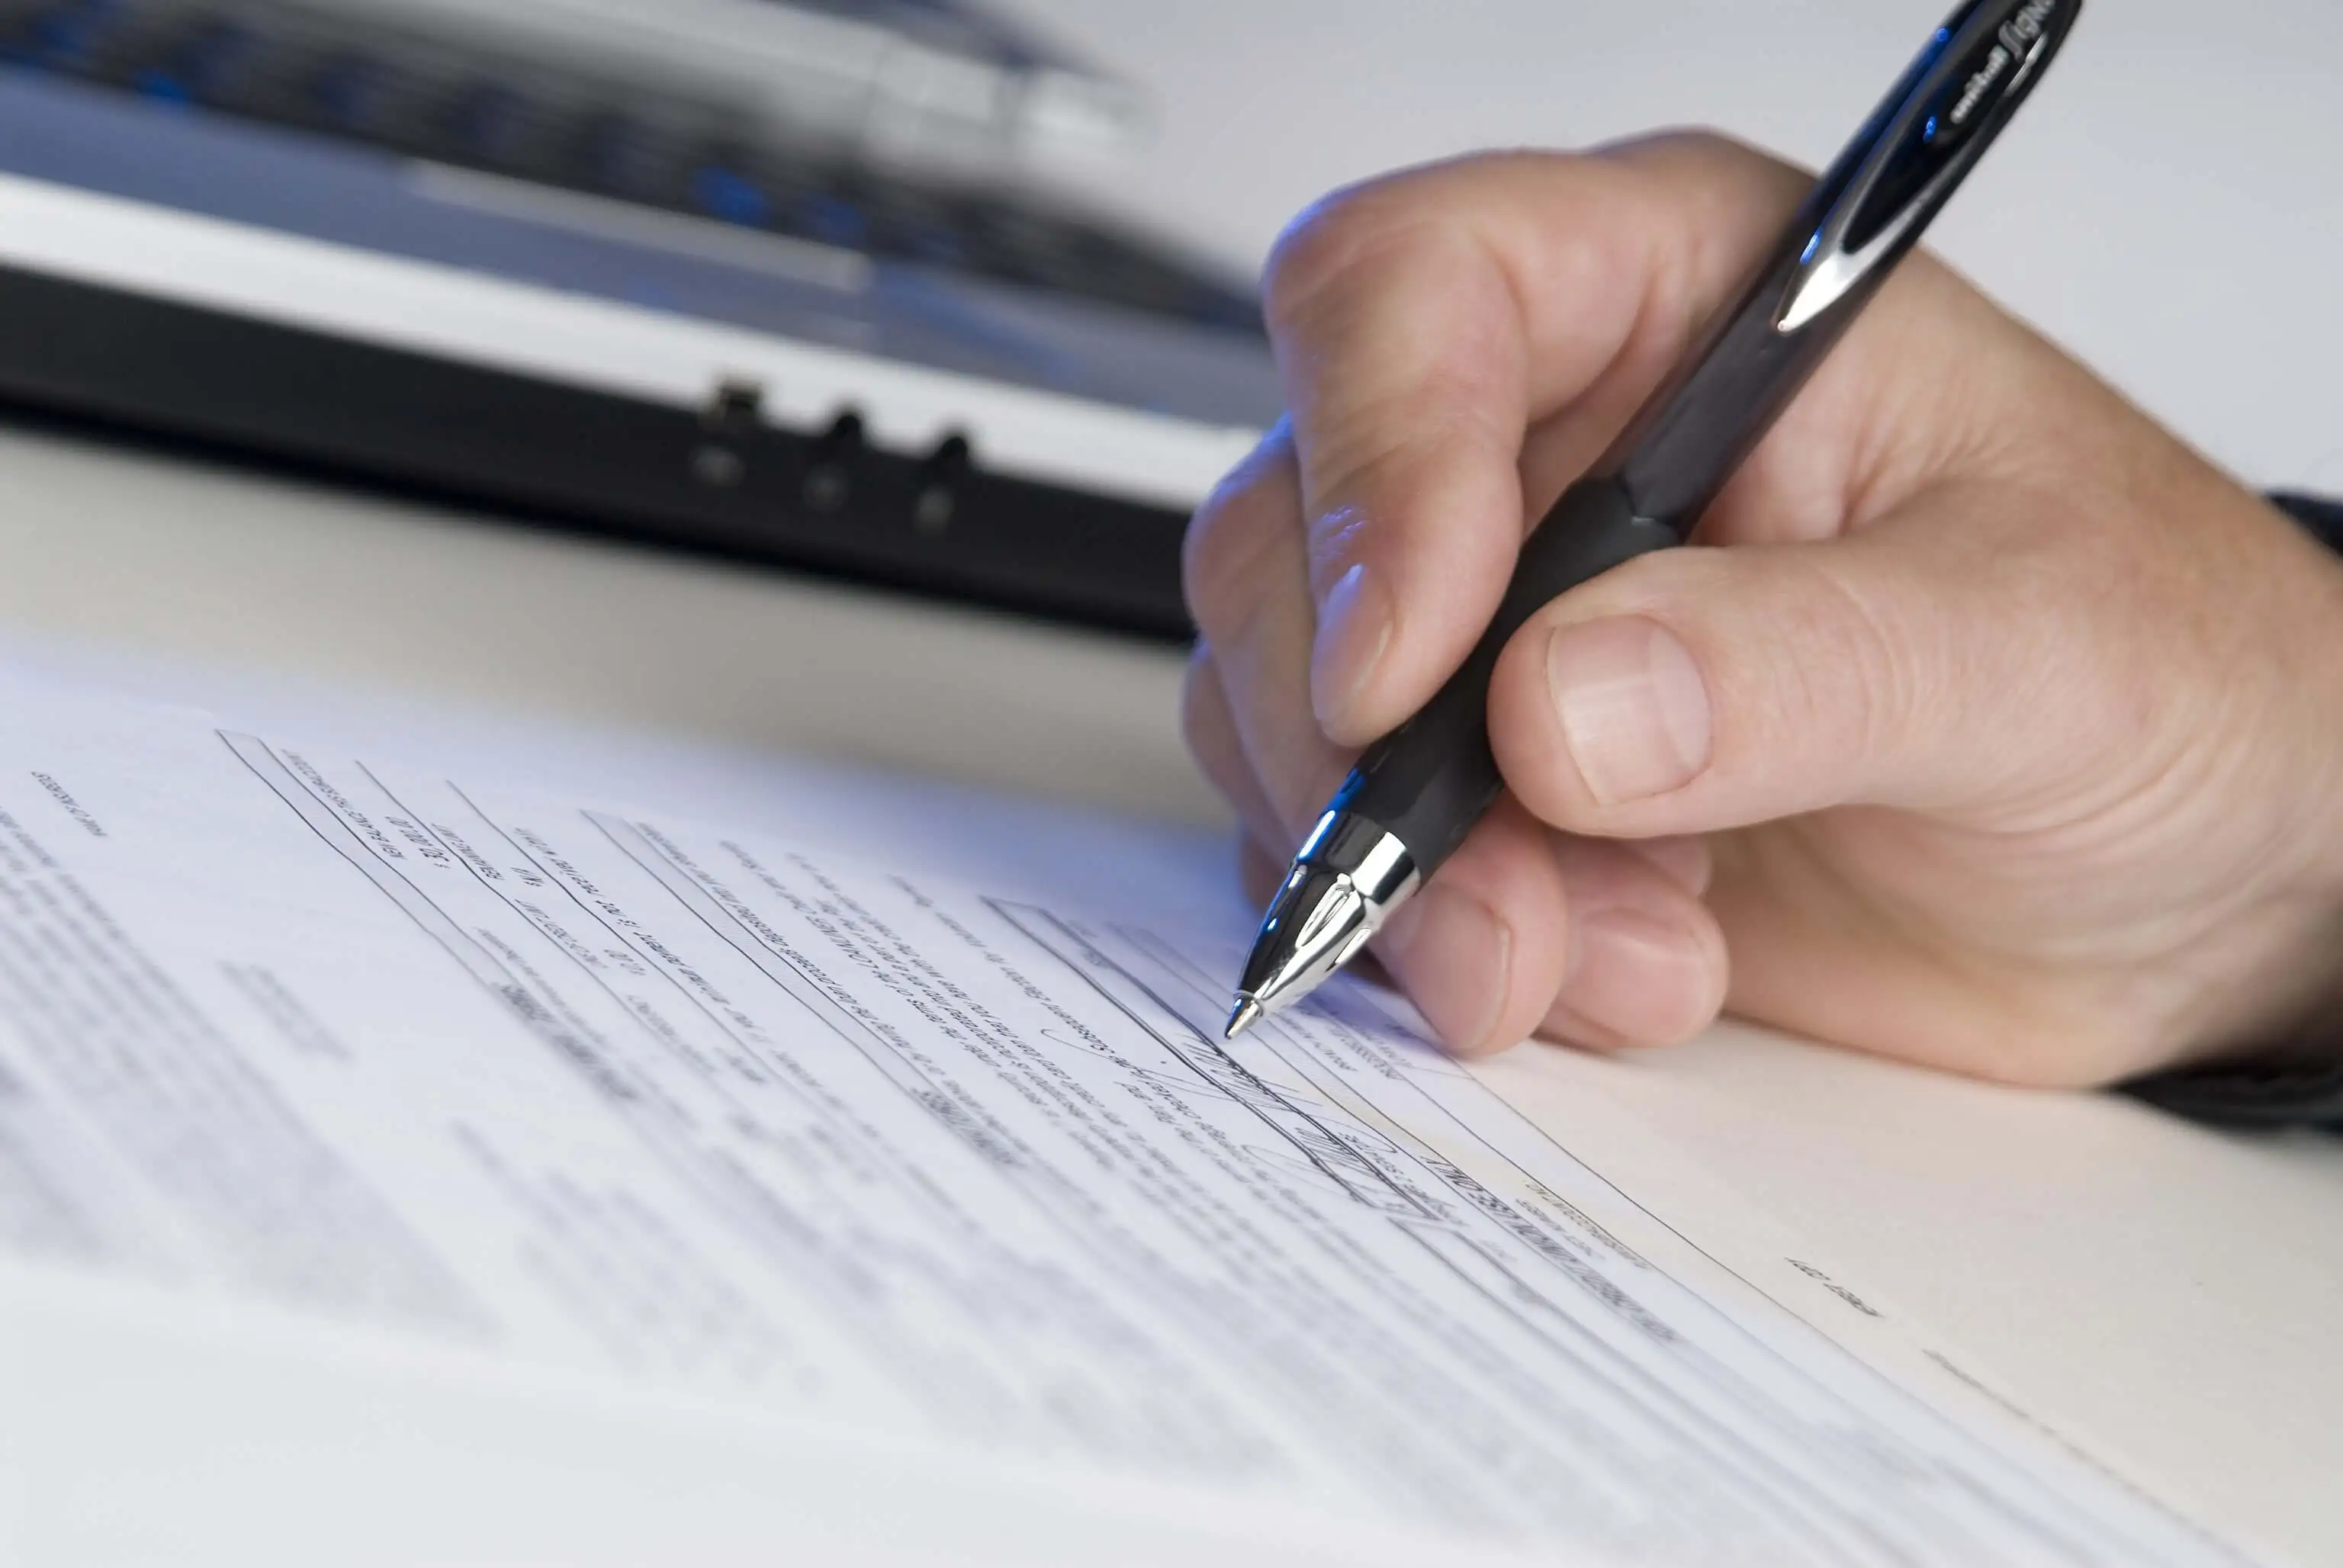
1425	324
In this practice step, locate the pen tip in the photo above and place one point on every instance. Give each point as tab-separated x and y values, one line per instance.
1247	1013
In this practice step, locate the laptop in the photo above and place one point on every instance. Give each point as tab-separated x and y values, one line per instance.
793	282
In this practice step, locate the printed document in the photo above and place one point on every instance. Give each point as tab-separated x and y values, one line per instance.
594	1084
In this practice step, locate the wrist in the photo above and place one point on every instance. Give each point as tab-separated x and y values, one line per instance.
2287	1068
2318	1033
2322	521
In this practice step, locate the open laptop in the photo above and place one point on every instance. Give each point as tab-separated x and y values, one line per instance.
788	281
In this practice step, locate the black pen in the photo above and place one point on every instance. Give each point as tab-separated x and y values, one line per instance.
1418	791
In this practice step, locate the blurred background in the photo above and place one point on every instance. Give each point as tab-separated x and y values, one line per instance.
959	296
2170	207
936	315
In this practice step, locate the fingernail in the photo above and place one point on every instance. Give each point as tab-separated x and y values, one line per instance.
1634	712
1355	627
1455	957
1644	980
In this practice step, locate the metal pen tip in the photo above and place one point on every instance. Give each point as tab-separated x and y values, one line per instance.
1247	1013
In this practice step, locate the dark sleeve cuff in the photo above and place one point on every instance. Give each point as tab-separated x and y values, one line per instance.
2322	518
2268	1094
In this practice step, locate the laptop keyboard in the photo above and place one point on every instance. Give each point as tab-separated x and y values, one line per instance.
365	81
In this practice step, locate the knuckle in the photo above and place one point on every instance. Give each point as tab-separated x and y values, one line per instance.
1704	142
1373	240
1702	146
1320	246
1708	145
1301	271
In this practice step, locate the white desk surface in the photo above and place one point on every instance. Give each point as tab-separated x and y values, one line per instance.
2167	1294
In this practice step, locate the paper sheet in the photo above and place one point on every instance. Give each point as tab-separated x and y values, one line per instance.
595	1086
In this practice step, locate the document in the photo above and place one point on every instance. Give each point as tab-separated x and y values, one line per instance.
597	1085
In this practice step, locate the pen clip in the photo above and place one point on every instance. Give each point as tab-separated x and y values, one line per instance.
1976	71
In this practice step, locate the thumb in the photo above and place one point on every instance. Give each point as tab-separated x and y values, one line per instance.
1948	658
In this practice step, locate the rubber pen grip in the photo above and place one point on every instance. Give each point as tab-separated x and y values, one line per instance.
1430	780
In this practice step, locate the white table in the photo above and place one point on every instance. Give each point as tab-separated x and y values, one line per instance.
2174	207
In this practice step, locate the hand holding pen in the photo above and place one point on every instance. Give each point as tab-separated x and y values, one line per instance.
1975	729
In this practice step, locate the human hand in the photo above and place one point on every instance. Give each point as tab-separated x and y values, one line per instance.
1985	725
